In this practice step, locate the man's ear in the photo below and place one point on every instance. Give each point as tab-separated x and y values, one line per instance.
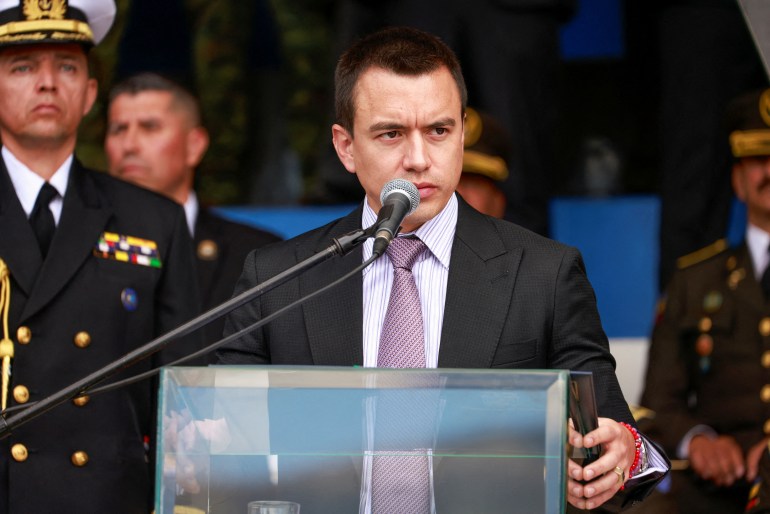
343	144
197	144
92	87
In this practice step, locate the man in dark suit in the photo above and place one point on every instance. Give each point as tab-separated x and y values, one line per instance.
95	267
155	139
491	293
709	360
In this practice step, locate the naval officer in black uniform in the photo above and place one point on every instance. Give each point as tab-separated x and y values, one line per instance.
155	139
95	267
708	377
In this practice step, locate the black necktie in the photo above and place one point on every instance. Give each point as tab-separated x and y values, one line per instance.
41	218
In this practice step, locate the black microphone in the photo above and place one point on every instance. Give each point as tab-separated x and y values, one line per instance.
399	199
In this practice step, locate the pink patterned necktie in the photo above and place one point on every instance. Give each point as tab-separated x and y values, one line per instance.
401	477
402	340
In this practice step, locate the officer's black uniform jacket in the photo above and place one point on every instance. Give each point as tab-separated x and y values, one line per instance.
78	310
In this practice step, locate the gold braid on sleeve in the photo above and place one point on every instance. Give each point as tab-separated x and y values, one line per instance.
6	345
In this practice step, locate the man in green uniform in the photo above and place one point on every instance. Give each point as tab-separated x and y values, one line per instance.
708	377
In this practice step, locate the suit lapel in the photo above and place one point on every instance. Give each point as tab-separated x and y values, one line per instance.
334	320
84	215
18	245
482	272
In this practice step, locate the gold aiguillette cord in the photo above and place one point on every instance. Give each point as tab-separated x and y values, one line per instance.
6	345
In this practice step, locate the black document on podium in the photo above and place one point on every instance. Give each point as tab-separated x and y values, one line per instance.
582	410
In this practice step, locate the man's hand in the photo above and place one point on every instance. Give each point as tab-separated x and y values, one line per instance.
590	486
718	459
753	458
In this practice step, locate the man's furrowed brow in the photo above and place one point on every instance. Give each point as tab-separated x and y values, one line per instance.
385	125
444	122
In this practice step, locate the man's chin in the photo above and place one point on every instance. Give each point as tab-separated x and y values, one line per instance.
137	177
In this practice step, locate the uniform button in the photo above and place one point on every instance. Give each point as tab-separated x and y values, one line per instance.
19	452
83	339
765	393
735	278
79	459
764	327
23	335
766	359
766	428
81	400
21	394
704	325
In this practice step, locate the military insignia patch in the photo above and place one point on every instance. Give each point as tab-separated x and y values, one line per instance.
45	9
129	299
128	249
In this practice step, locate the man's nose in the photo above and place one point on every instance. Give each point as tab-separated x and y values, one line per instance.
130	140
46	76
417	153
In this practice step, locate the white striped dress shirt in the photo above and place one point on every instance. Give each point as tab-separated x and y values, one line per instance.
430	273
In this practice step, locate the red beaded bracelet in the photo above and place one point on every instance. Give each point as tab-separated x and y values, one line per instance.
637	453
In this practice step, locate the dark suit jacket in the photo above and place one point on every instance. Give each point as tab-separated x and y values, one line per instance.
514	300
221	247
75	292
708	366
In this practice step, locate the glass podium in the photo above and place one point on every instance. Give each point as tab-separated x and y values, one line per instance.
228	435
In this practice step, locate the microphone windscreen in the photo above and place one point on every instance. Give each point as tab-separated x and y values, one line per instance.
405	187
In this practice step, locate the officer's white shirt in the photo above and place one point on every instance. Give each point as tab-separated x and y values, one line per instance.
758	242
191	208
27	183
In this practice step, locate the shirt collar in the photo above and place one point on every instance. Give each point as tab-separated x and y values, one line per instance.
27	183
758	242
191	208
437	233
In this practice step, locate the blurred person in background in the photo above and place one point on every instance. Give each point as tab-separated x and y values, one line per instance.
708	377
155	139
484	167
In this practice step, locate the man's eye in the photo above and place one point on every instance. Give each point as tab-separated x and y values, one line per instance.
390	135
440	131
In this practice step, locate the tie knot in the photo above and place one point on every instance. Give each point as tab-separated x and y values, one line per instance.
46	194
403	251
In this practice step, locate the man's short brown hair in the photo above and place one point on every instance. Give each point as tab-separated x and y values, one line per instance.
401	50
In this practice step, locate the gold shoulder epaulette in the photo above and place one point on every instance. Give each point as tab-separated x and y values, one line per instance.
701	255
